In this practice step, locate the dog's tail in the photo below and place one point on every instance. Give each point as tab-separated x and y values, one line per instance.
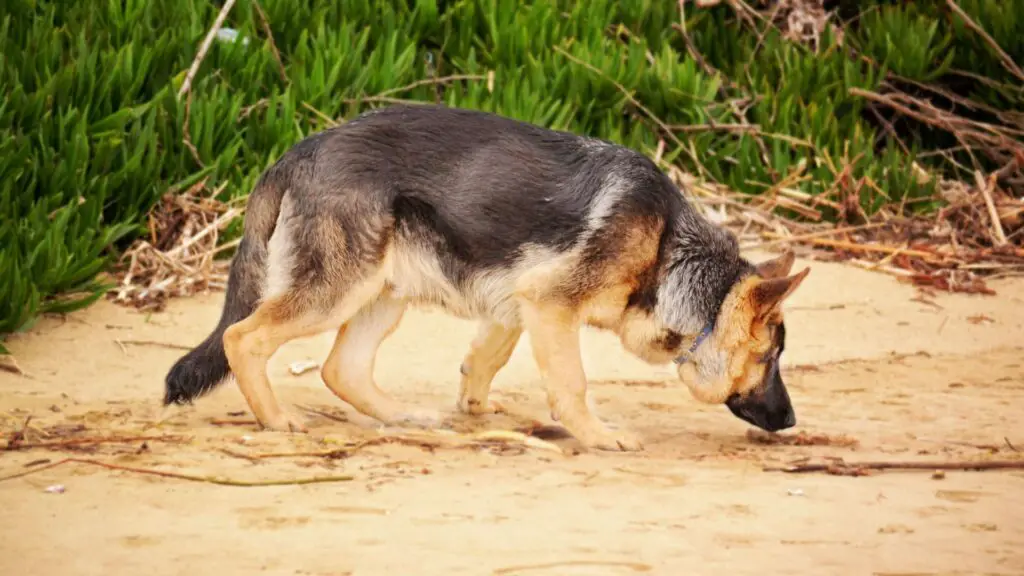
206	366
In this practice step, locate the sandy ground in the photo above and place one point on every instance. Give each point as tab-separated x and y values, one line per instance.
908	379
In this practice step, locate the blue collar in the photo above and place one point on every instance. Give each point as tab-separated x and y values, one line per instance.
685	357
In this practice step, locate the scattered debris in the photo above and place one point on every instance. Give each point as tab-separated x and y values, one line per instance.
795	492
800	439
156	343
302	366
838	467
80	443
225	422
804	21
954	250
511	436
178	257
55	489
182	476
634	566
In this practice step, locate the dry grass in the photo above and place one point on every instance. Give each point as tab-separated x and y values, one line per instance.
179	258
977	235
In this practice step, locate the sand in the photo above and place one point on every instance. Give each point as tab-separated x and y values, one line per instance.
910	379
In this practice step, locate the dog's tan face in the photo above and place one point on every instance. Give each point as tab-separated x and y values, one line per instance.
739	364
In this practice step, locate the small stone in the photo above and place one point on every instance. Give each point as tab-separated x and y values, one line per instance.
938	475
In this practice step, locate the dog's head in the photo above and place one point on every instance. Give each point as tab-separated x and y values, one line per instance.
736	362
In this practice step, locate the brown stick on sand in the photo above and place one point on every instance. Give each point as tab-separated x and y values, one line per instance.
861	468
180	476
68	442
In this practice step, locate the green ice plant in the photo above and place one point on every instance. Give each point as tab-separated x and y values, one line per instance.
93	133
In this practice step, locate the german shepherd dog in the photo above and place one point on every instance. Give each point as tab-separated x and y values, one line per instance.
489	218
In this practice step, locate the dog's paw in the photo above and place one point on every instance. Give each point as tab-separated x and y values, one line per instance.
285	421
475	407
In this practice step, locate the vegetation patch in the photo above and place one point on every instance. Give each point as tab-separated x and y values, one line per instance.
821	124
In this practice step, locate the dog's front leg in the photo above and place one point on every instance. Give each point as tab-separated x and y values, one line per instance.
489	352
555	341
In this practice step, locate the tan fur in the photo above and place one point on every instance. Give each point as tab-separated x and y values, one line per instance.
488	353
553	326
743	332
348	370
250	343
777	267
554	339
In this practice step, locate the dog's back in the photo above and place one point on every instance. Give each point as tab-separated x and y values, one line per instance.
465	203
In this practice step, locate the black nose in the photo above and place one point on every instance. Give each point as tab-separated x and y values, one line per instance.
766	415
787	420
790	420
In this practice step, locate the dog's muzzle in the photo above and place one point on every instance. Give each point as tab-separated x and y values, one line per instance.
768	407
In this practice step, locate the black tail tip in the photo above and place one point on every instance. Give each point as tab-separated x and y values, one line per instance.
193	375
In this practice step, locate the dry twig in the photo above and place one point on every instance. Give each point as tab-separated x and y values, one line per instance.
159	344
1005	58
186	86
78	442
386	95
634	566
840	468
181	476
265	24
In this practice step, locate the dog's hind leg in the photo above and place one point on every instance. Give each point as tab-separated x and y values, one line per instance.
318	278
249	344
489	352
348	370
555	340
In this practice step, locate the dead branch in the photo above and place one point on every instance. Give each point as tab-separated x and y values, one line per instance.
69	442
181	476
999	237
1005	58
840	468
170	345
186	86
386	95
634	566
265	24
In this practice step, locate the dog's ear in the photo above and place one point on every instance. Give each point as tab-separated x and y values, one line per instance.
768	294
777	267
